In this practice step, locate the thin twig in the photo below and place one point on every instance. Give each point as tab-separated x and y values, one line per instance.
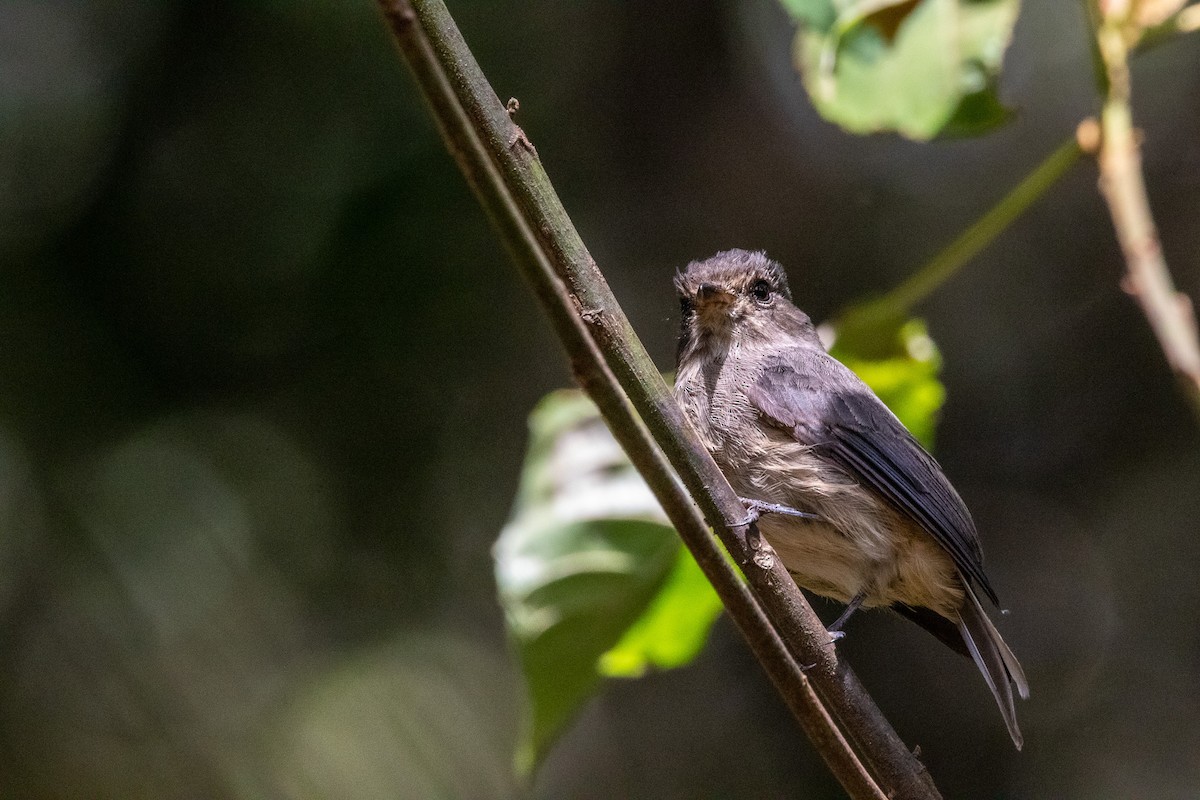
860	322
1121	182
593	374
897	771
984	230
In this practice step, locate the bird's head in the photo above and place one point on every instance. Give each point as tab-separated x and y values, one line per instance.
739	296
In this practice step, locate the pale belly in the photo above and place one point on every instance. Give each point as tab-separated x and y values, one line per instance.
862	544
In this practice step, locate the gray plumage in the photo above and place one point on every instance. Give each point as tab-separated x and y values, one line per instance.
789	424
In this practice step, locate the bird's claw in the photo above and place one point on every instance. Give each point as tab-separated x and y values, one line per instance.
758	508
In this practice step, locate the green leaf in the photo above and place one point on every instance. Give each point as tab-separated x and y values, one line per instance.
921	68
572	592
673	629
578	565
899	361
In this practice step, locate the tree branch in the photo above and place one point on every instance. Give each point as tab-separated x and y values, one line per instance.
1121	182
594	375
501	165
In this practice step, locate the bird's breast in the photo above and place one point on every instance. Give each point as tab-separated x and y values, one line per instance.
711	388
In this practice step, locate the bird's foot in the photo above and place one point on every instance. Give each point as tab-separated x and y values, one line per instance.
759	508
835	630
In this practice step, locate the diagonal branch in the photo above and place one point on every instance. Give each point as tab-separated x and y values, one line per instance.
1121	182
592	373
501	165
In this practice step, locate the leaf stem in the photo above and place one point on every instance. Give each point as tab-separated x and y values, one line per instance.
900	300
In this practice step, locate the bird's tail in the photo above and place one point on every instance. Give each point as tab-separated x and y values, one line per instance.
999	666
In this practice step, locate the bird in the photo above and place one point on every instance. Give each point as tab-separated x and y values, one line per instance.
878	523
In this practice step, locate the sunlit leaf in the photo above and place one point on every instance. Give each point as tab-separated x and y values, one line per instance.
572	592
673	629
922	68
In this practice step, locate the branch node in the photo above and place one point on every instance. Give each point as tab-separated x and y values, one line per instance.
512	106
764	559
1087	134
518	137
764	554
592	316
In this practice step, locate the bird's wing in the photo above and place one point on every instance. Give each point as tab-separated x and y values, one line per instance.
824	405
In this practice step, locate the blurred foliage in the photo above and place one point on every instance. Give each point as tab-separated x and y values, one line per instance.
410	718
594	582
922	68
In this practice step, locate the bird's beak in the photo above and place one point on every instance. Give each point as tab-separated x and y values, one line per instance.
709	294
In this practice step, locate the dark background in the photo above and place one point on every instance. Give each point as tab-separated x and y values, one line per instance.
264	374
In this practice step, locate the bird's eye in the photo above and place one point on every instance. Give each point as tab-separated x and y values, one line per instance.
761	291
